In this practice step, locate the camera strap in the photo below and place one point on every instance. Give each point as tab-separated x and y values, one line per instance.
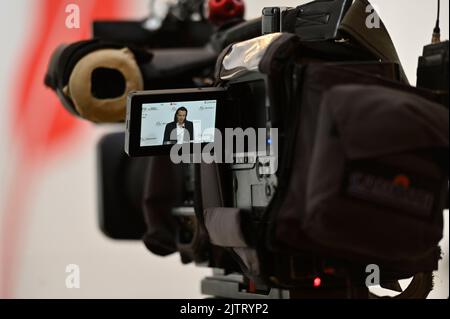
317	20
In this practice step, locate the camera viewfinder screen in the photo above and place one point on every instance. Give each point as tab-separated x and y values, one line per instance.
178	123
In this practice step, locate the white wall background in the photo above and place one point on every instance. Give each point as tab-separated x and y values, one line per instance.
61	228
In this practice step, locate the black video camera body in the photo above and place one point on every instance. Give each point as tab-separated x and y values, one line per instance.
352	170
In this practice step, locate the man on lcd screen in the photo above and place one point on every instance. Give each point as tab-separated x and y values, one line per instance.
180	130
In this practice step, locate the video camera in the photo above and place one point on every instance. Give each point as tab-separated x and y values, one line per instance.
309	158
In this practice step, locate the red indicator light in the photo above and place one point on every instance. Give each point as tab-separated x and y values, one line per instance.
317	282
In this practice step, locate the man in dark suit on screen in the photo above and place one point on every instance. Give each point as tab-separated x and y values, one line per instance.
180	130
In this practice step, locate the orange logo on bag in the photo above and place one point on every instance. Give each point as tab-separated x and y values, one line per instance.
402	180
